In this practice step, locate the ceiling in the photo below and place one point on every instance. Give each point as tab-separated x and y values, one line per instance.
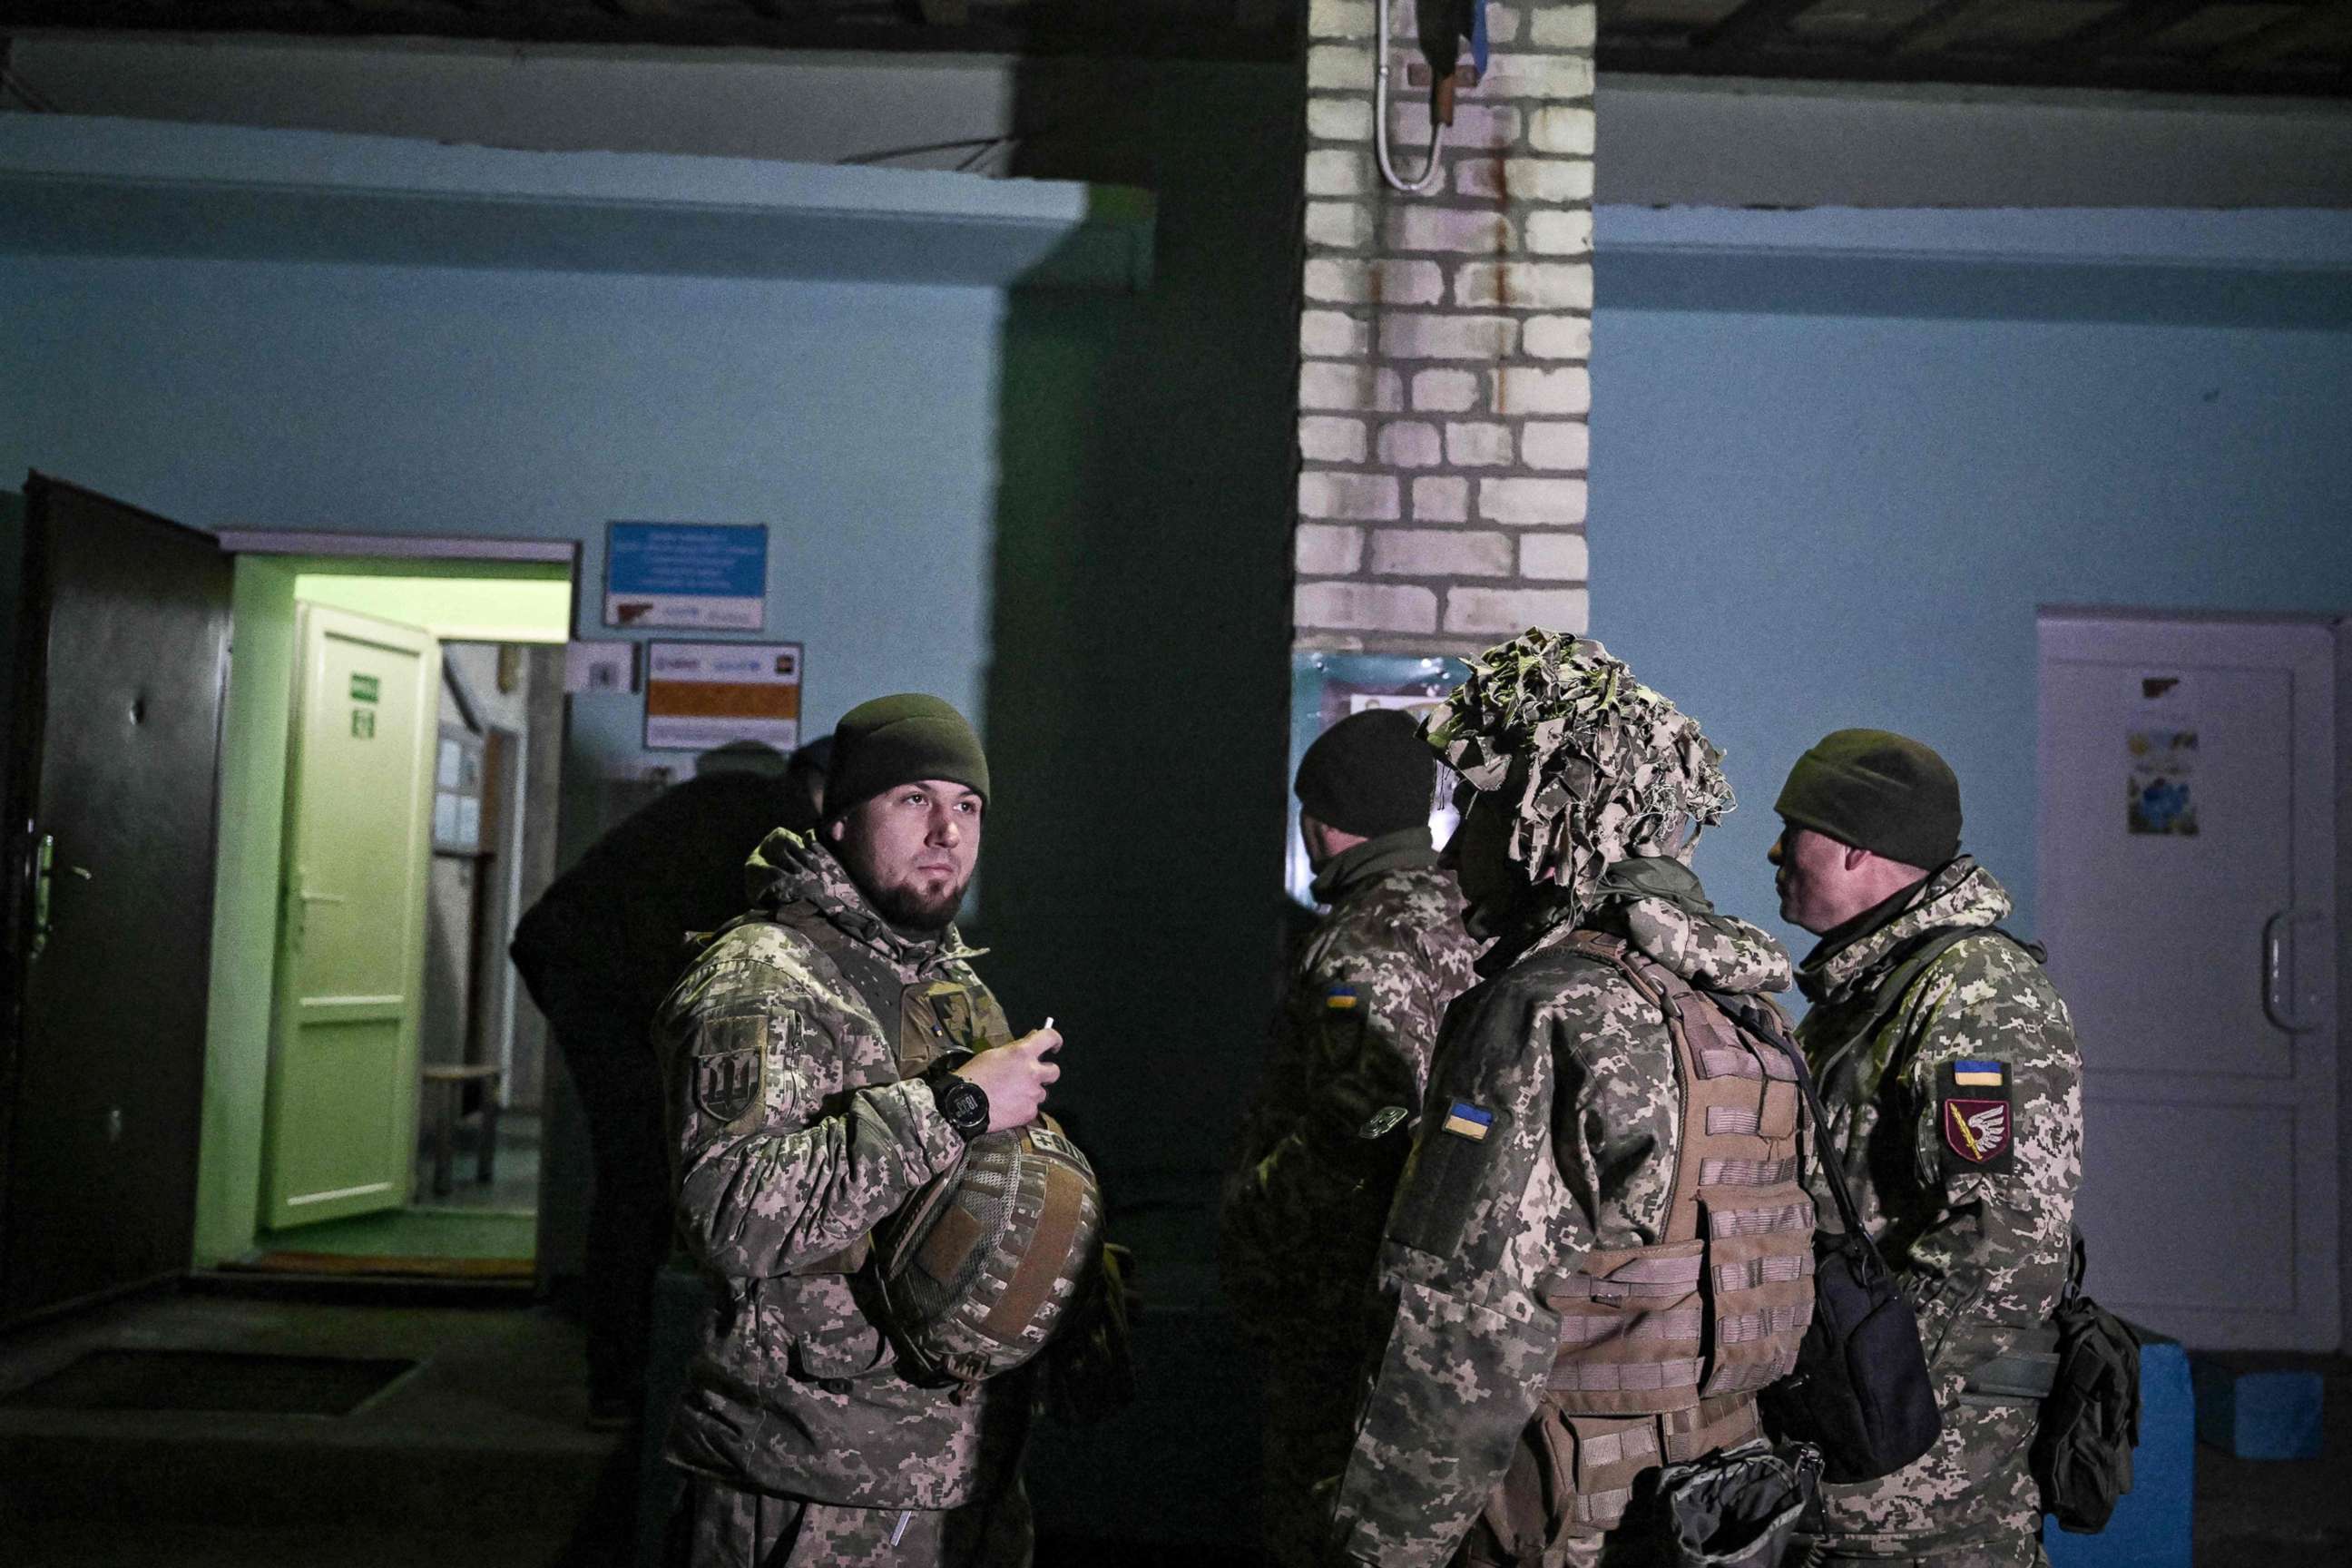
2253	47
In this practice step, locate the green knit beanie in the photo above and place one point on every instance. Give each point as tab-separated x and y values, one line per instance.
1877	791
899	740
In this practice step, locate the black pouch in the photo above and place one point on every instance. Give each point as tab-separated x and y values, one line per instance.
2090	1422
1861	1393
1737	1507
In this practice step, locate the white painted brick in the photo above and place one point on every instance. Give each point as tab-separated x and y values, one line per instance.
1556	78
1476	127
1346	226
1548	444
1502	25
1365	606
1340	120
1563	26
1554	557
1347	281
1323	383
1361	497
1528	285
1327	439
1498	612
1558	502
1566	233
1330	334
1445	391
1345	67
1464	230
1558	337
1338	171
1340	19
1522	389
1431	336
1409	444
1324	550
1440	497
1439	552
1558	128
1477	445
1546	179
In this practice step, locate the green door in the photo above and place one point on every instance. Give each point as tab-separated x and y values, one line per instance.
351	938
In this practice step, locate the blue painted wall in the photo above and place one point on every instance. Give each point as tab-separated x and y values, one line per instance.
1803	521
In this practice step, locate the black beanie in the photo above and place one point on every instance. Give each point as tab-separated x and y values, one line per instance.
1369	774
897	740
1877	791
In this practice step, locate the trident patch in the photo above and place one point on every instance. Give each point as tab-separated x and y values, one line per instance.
1976	1117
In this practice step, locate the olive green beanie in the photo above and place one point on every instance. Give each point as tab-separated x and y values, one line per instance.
897	740
1877	791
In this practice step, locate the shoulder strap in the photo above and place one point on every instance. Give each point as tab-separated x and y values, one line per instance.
1764	1022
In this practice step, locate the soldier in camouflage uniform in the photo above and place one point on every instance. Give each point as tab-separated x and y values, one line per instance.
801	1118
1948	1065
1561	1321
1302	1215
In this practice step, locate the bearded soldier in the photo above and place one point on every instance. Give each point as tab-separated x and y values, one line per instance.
1318	1164
815	1083
1947	1067
1600	1250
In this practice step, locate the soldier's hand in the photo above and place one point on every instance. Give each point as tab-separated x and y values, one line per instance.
1014	1078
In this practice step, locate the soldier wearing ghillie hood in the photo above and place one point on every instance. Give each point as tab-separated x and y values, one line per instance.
1302	1209
1948	1068
1600	1250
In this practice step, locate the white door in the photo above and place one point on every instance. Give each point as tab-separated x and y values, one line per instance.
2187	897
341	1125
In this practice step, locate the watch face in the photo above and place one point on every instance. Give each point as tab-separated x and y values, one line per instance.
964	1104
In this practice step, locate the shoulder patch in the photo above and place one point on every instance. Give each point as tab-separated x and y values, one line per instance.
730	1067
1340	998
1976	1116
1464	1120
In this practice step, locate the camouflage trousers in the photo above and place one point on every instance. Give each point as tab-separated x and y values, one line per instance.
720	1526
1311	1414
1563	1502
1971	1501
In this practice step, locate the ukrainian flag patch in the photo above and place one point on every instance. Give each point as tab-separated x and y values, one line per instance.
1980	1074
1340	998
1466	1120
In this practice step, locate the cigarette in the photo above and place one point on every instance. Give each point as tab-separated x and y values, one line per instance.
1049	1020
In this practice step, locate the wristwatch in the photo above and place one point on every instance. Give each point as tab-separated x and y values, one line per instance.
963	1103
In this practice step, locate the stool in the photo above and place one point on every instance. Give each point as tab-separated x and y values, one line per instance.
449	1106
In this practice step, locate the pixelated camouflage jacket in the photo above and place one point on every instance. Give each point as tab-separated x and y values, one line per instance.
1976	1245
792	1137
1302	1210
1576	1073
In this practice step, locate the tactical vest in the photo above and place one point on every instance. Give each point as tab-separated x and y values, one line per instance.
981	1266
1719	1303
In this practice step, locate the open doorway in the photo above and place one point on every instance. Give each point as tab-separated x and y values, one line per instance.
373	1090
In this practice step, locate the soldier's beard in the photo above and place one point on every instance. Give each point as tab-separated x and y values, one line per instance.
913	909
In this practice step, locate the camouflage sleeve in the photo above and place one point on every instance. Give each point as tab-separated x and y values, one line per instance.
1997	1081
770	1175
1480	1218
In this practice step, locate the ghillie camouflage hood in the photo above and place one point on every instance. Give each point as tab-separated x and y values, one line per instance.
1594	767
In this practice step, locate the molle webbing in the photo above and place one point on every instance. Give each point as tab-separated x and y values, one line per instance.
1718	1305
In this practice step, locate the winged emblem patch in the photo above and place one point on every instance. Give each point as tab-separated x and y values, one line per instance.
1977	1130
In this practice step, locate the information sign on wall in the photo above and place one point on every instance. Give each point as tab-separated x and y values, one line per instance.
708	576
704	694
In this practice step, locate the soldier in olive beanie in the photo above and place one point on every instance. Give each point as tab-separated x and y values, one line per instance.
1877	791
897	740
1368	775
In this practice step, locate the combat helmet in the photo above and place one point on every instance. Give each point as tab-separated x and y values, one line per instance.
1594	766
980	1268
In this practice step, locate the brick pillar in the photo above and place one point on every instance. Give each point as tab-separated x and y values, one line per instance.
1442	386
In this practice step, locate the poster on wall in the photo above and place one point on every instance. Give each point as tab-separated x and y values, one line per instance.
705	576
2161	758
700	695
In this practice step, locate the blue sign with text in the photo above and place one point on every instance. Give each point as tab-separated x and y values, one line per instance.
710	576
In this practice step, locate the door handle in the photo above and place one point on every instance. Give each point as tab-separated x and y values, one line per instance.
42	863
2284	993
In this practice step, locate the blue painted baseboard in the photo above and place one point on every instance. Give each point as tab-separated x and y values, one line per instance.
2256	1412
2151	1524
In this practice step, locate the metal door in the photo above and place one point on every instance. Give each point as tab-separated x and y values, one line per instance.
2188	862
342	1120
122	662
